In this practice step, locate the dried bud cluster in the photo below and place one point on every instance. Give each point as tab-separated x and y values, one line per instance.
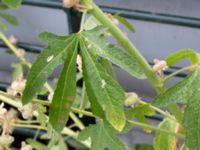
131	99
25	146
114	20
159	66
13	39
17	86
21	52
69	3
79	63
6	140
27	110
6	120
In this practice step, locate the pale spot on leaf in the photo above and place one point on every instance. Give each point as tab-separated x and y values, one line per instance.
103	84
50	58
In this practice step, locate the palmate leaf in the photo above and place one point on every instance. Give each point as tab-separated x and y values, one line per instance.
117	56
163	141
103	91
46	62
191	121
15	4
65	93
103	136
181	92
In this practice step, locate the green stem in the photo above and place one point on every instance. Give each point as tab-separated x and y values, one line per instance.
13	49
179	71
142	125
83	20
158	110
66	131
10	101
26	121
125	43
86	113
76	120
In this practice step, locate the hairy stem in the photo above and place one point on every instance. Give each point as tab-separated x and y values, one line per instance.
179	71
142	125
158	110
125	43
83	20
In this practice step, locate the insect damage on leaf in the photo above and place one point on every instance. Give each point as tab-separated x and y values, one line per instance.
50	58
111	98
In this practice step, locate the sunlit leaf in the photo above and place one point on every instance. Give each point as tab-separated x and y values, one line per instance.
65	92
181	92
117	56
163	141
46	62
191	121
103	136
176	56
103	91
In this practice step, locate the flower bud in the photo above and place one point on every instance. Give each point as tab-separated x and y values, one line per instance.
69	3
131	99
27	110
13	39
6	140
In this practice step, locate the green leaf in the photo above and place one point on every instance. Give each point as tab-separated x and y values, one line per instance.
164	141
176	56
65	93
144	147
103	90
3	7
14	4
60	146
37	145
76	144
117	56
91	23
125	22
191	121
103	136
181	92
2	26
9	18
46	62
140	112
